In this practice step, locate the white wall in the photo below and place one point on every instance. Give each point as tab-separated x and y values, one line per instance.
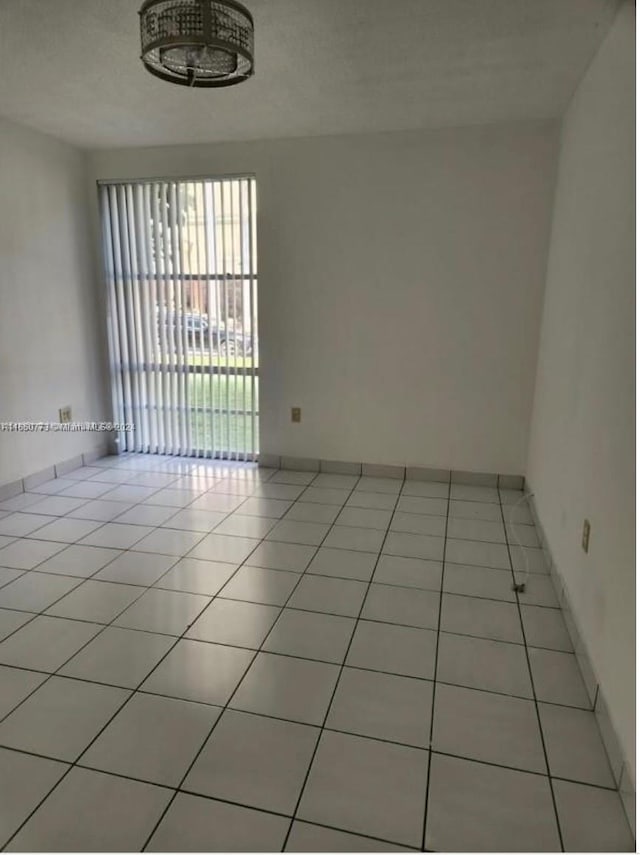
401	280
582	456
50	332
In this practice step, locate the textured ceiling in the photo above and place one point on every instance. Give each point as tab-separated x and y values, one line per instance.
71	68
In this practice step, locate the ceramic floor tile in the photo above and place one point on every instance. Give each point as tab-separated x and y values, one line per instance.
477	553
153	739
65	530
117	535
197	577
10	621
34	592
420	505
8	575
168	541
61	718
80	561
519	514
282	492
196	824
137	568
26	554
239	525
282	556
414	546
372	501
478	530
574	745
348	788
391	486
15	686
169	612
260	507
591	819
199	671
170	498
288	476
233	622
521	535
220	547
118	657
528	558
431	489
471	493
98	602
545	628
358	539
325	495
288	688
109	815
383	706
310	512
395	649
483	618
306	837
56	506
45	643
24	781
217	502
293	531
99	510
86	490
129	493
419	524
149	515
410	607
364	518
324	594
484	582
259	585
539	590
473	807
331	481
475	511
484	726
557	678
409	572
479	663
310	635
343	563
21	524
20	502
254	761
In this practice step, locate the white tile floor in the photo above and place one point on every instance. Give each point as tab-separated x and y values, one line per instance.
208	656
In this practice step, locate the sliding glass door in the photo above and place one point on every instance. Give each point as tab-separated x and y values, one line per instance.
181	274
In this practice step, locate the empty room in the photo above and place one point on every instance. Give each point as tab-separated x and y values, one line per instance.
317	426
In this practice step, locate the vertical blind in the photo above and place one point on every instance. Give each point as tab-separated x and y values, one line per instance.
181	276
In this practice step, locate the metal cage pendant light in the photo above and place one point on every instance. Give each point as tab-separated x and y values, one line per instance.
199	43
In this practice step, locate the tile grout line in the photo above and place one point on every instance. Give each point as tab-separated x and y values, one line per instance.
216	596
435	678
534	693
102	729
342	665
239	682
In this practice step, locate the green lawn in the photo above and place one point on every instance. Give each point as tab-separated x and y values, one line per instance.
216	430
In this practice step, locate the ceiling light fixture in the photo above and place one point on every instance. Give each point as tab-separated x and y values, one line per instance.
199	43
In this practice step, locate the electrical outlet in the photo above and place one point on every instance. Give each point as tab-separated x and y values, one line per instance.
296	415
586	534
64	415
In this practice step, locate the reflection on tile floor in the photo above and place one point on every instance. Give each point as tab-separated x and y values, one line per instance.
205	656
